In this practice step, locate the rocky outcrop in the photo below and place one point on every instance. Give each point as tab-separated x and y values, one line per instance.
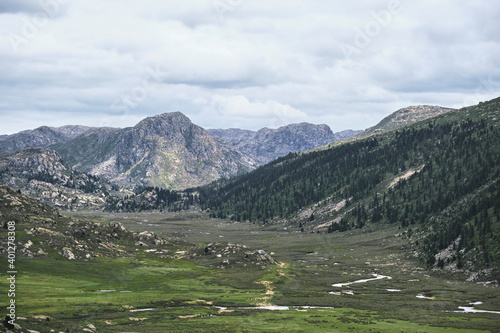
219	255
42	174
267	144
61	237
68	254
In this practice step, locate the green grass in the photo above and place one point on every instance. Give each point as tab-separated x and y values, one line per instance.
185	294
72	292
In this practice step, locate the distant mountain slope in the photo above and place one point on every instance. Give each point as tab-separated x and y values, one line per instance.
398	119
40	137
235	136
167	150
407	116
267	144
41	173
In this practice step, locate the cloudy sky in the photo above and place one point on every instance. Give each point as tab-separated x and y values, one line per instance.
242	63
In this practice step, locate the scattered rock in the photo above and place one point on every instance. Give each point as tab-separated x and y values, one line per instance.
268	258
68	254
117	226
80	233
146	235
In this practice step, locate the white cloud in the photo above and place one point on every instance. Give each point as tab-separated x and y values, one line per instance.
263	63
240	110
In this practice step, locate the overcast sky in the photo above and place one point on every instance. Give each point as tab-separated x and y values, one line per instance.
242	63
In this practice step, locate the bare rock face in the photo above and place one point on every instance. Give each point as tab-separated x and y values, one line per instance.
167	150
267	144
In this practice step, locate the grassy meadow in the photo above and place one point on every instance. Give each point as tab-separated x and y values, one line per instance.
151	293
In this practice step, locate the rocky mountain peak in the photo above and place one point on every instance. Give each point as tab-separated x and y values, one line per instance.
166	120
166	150
418	112
407	116
169	126
34	160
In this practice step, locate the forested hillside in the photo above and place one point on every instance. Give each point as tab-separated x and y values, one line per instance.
443	147
437	179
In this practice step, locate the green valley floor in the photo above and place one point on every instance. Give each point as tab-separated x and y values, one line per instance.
358	281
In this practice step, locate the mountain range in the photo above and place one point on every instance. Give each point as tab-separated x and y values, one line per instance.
413	202
85	164
267	144
167	150
438	179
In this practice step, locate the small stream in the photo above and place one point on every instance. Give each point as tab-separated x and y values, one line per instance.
273	308
471	309
375	277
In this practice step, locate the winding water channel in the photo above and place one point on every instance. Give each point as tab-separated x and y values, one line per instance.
375	277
